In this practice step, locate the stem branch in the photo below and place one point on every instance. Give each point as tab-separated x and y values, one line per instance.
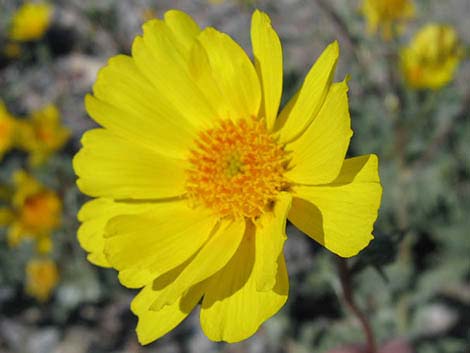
345	279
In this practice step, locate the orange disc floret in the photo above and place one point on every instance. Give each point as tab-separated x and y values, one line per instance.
237	169
41	212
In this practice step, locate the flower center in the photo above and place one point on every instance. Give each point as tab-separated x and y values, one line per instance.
41	212
237	169
5	131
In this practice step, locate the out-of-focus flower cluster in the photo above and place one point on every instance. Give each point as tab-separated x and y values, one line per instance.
39	135
430	59
387	16
29	210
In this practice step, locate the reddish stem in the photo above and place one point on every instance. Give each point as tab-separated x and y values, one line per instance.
345	280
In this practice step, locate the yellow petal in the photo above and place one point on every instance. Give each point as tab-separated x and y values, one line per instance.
136	277
154	324
233	73
109	166
268	62
341	215
154	242
94	215
206	78
214	255
128	104
232	308
184	28
270	237
163	60
318	154
310	96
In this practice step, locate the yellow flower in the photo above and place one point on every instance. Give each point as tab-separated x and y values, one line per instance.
7	130
41	278
194	175
30	21
384	14
432	57
35	212
42	134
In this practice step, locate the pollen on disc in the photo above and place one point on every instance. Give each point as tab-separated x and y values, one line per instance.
237	169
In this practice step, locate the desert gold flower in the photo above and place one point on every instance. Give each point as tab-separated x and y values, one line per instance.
35	212
195	173
384	15
30	21
42	134
41	278
7	130
432	57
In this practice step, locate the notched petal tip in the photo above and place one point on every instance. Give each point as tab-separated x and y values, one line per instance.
348	254
260	18
341	215
175	18
142	337
98	260
152	25
173	14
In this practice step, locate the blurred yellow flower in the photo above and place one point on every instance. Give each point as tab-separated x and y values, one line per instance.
195	173
6	216
35	212
30	21
42	134
7	130
384	15
432	57
42	276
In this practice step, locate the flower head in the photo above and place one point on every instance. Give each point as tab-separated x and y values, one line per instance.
35	212
432	57
385	14
30	21
41	278
7	130
42	134
195	173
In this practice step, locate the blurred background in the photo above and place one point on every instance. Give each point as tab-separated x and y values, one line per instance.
409	101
